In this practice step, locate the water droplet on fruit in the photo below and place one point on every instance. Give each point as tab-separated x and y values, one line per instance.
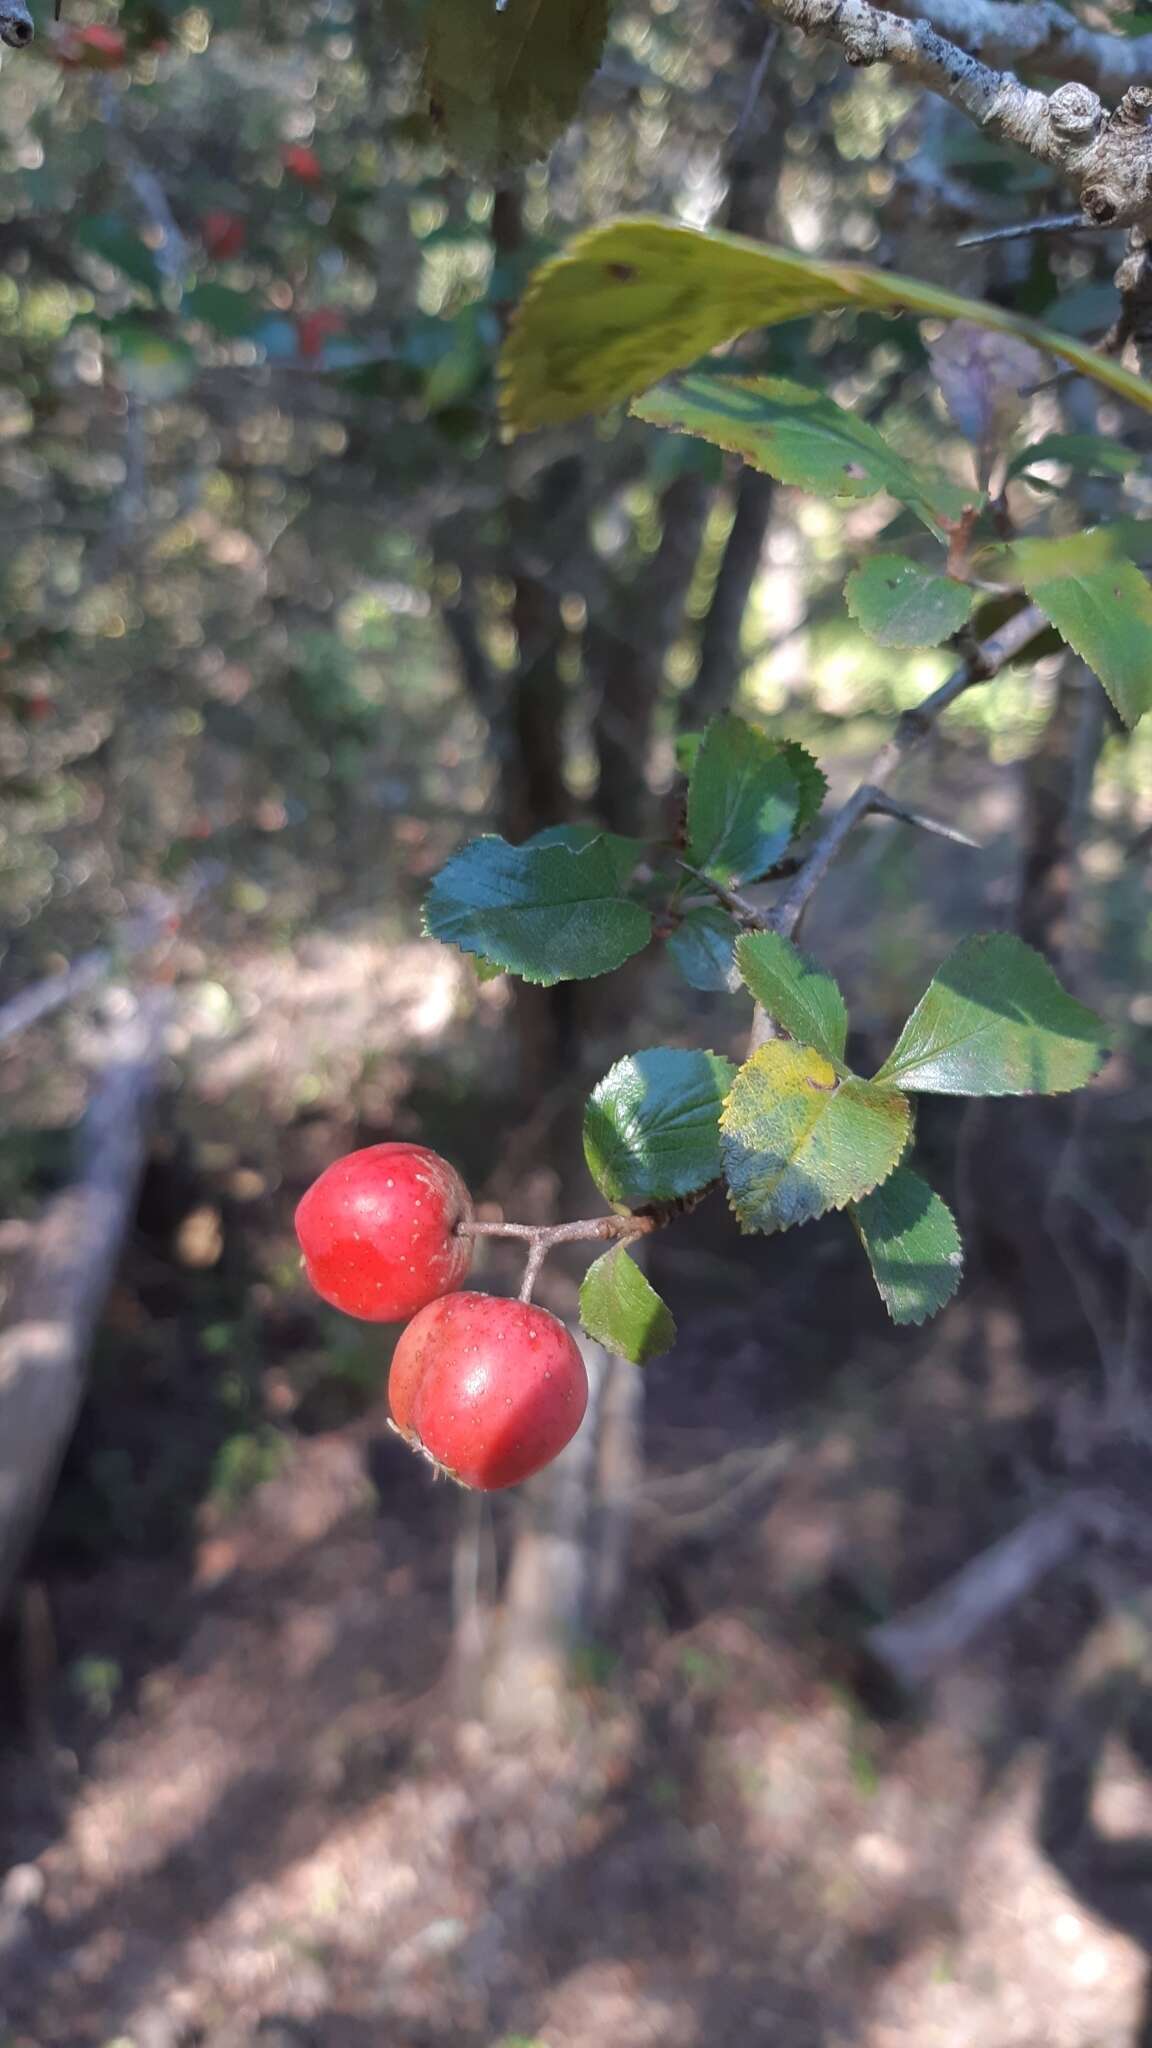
508	1403
391	1182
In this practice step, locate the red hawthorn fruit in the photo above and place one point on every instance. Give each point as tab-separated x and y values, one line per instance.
303	163
490	1390
314	329
378	1231
223	234
97	48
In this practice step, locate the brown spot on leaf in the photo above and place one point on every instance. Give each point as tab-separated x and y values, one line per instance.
622	272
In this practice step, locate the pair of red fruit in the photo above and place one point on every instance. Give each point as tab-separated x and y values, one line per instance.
491	1390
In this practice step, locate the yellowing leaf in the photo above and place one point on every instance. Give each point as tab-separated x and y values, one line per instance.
798	1139
630	302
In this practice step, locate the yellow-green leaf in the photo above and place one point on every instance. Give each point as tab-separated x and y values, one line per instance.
798	1139
630	302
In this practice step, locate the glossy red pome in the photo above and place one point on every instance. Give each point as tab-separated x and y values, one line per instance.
492	1390
378	1231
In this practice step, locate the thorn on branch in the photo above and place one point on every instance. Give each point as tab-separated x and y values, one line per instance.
1054	224
887	806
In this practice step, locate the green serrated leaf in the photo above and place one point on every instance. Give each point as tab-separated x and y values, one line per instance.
994	1020
622	1311
701	946
810	779
624	853
913	1246
688	745
547	913
902	605
1090	454
799	1139
1023	562
634	300
811	784
486	970
802	1001
800	436
651	1127
1105	615
742	802
504	82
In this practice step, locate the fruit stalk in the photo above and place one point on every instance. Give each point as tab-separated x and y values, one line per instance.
541	1238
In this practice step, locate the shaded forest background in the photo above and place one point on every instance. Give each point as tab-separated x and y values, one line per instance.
297	1748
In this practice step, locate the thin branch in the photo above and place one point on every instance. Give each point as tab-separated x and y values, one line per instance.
915	1645
885	806
159	916
983	660
1106	158
741	909
542	1238
1039	36
1055	224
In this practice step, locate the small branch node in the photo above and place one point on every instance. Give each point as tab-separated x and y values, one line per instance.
1076	113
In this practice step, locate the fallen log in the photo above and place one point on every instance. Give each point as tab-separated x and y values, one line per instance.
916	1645
61	1289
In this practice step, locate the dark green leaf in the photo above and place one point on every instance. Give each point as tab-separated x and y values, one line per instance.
913	1246
811	783
742	802
623	853
799	436
1091	454
798	1138
546	913
902	605
994	1020
651	1127
802	1001
622	1311
702	949
504	82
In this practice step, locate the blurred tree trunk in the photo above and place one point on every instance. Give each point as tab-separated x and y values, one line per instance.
1056	792
570	1549
627	656
755	157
